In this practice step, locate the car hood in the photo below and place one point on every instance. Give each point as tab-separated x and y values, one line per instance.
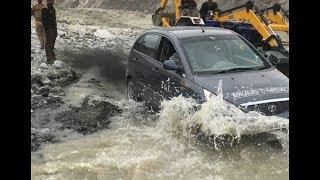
249	86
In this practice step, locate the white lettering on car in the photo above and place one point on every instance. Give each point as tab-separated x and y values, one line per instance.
259	91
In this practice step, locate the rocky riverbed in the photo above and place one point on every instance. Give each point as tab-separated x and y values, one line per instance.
63	101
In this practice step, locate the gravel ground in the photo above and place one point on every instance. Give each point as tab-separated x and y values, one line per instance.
67	99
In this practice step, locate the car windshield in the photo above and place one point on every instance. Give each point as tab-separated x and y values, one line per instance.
221	53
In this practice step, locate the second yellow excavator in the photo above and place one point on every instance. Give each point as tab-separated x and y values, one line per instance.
257	26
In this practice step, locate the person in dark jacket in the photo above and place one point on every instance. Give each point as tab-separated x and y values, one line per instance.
50	30
188	4
208	6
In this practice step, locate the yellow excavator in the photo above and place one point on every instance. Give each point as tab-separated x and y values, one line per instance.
180	17
257	26
277	15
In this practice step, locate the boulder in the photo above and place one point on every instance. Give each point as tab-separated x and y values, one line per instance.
43	66
44	91
45	80
59	64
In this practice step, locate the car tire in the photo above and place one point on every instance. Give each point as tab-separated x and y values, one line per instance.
131	90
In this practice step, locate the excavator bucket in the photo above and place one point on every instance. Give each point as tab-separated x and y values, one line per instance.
156	17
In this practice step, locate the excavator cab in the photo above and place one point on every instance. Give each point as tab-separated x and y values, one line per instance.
181	16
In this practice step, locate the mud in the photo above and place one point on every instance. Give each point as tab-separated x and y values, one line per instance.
88	118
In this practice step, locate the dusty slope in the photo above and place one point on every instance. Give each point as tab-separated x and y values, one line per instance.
151	5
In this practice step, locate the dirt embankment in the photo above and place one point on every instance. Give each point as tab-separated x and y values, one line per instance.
67	100
152	5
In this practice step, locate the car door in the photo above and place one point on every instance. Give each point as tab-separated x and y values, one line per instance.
144	59
170	83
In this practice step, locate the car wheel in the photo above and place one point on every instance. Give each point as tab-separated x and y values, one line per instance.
131	90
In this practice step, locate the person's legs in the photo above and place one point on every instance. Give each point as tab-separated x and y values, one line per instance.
40	32
49	45
54	34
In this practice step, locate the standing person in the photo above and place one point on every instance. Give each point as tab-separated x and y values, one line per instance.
208	6
50	30
36	13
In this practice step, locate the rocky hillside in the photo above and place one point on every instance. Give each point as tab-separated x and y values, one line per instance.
152	5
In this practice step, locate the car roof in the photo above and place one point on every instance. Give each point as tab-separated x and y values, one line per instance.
191	31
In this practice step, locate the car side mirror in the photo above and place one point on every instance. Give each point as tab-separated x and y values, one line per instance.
172	66
277	58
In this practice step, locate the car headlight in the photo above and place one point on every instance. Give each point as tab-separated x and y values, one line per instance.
208	94
211	96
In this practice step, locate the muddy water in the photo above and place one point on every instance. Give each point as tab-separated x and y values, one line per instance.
143	145
139	144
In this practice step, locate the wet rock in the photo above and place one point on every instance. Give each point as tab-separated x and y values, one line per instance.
45	81
36	97
44	91
88	118
54	100
53	75
63	81
36	89
44	101
35	78
38	137
43	66
36	101
62	35
59	64
61	93
56	89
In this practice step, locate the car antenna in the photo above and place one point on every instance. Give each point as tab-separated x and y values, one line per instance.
202	29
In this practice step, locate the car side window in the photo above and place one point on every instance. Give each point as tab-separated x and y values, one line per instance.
148	44
137	45
167	51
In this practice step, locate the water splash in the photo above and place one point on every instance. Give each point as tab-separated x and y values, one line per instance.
140	145
216	118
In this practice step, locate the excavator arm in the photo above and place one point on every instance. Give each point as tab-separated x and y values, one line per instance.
278	19
165	19
177	4
249	13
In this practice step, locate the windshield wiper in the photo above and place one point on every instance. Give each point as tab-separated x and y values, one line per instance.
240	69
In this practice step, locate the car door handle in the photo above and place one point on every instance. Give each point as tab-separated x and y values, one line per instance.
135	59
155	69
